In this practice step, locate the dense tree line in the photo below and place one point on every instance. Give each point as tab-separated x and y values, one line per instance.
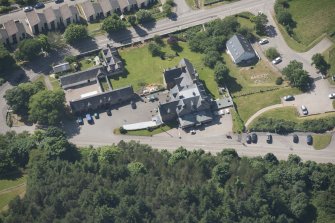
283	16
130	182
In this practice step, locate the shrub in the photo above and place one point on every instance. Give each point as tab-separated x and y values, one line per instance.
74	33
272	53
158	39
70	59
112	24
143	16
211	58
279	81
155	49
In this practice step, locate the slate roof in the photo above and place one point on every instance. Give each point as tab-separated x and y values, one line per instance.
49	14
97	7
112	60
73	10
81	77
106	5
132	2
11	27
123	3
187	95
115	4
139	2
88	8
32	18
65	11
238	45
110	97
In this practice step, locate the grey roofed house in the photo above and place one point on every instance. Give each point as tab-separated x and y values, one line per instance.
88	10
102	99
106	6
97	8
115	4
74	12
3	35
11	27
32	18
49	14
81	78
188	101
65	12
123	4
240	49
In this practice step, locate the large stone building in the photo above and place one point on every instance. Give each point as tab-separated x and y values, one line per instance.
188	101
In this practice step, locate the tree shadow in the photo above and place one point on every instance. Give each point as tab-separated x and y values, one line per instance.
248	63
14	175
232	84
140	31
176	47
85	45
123	36
149	25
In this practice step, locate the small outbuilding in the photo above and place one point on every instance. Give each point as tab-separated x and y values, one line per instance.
240	49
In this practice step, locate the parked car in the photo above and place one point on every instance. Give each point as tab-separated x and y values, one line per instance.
39	5
304	110
269	138
109	112
288	98
152	97
295	138
193	132
331	96
277	60
89	118
59	1
248	140
80	121
263	41
28	9
96	115
309	140
254	137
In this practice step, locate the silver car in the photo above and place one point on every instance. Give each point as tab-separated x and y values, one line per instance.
304	110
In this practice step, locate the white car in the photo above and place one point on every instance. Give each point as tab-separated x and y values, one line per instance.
331	96
28	9
263	41
277	60
304	110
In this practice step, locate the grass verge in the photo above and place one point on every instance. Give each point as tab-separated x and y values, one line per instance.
321	141
10	188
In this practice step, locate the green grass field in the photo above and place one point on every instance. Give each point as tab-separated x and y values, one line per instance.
321	141
330	57
10	189
312	23
143	69
145	132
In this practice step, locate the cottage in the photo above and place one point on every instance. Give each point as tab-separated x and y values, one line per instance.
33	20
106	6
50	19
90	11
240	49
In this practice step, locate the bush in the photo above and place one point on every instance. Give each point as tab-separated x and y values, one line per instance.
74	33
28	49
158	40
122	130
279	81
143	16
112	24
131	19
211	58
272	53
70	59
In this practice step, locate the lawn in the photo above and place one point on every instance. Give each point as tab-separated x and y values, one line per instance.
94	29
321	141
316	19
4	184
10	189
55	83
143	69
86	63
330	57
250	104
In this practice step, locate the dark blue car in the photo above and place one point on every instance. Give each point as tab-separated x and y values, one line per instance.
59	1
89	118
39	5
